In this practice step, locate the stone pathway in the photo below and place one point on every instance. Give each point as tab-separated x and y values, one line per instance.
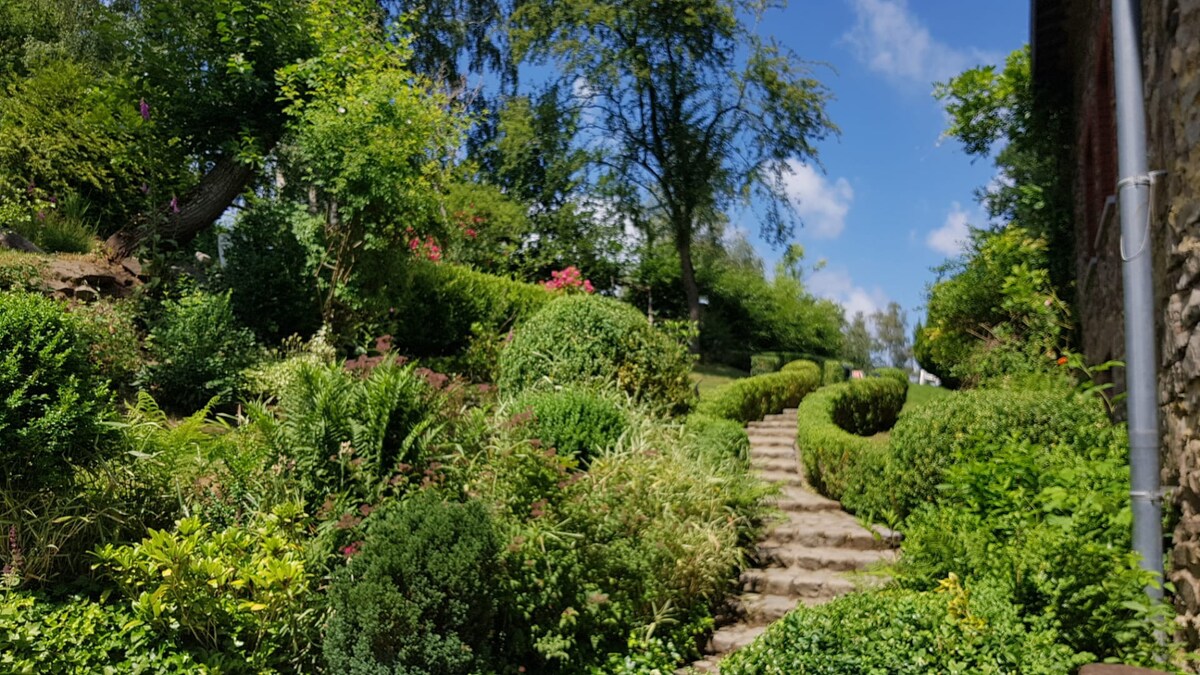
804	557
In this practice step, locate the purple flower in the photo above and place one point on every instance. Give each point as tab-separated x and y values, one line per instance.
144	108
174	204
145	189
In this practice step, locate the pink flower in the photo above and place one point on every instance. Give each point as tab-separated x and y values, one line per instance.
471	234
174	204
144	109
588	287
352	550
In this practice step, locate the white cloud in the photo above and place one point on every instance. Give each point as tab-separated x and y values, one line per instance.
952	237
893	42
822	204
836	284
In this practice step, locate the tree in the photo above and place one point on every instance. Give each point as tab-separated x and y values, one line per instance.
687	109
998	111
858	342
891	334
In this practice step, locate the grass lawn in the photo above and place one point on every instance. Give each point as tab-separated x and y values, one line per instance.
714	376
920	393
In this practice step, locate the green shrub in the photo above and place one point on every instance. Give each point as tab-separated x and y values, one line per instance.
241	596
1050	526
841	464
271	292
352	431
53	402
77	635
762	363
421	595
579	423
903	632
898	374
867	407
752	398
197	353
717	437
833	372
111	331
581	339
930	438
442	309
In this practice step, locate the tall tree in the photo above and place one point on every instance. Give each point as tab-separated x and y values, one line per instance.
891	334
858	342
688	109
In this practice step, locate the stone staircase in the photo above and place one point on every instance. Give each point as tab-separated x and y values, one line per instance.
805	556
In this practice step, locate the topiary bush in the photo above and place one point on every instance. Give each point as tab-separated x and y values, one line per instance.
762	363
898	374
197	352
906	633
421	596
752	398
442	309
833	372
867	407
961	427
577	422
839	463
53	401
584	339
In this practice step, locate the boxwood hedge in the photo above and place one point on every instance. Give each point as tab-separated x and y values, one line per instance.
754	397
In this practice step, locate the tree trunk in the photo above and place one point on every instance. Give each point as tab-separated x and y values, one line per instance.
683	245
191	214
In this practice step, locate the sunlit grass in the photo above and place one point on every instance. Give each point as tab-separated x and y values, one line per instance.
711	376
922	393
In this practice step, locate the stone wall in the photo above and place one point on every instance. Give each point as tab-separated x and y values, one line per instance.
1171	47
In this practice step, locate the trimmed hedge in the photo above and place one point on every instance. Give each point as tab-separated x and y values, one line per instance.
841	464
587	339
752	398
964	425
898	374
867	407
439	305
762	363
833	372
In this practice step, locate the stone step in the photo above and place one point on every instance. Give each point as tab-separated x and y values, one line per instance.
733	637
757	609
793	499
768	441
709	665
771	428
796	583
823	558
780	450
824	529
788	464
784	477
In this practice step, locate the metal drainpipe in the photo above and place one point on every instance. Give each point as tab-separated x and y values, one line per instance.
1140	362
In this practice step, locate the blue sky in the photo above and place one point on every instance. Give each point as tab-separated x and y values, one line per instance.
894	199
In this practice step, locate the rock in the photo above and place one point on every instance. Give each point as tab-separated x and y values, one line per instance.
133	266
12	240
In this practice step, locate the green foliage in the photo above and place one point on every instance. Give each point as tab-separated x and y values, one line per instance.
111	331
753	398
53	225
271	291
353	432
833	372
839	462
858	343
632	549
997	314
441	310
953	631
898	374
773	362
578	423
240	597
77	635
995	114
53	402
422	594
580	339
717	436
929	439
197	352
